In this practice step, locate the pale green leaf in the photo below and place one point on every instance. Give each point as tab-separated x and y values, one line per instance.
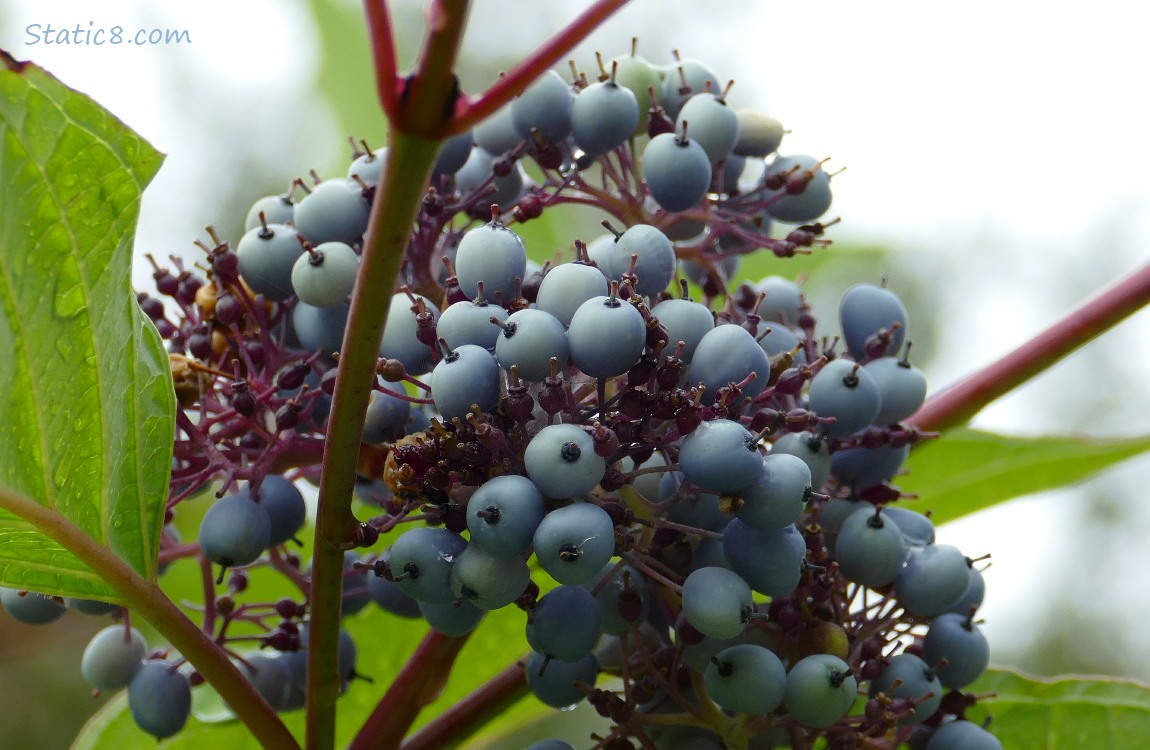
967	470
1064	714
86	420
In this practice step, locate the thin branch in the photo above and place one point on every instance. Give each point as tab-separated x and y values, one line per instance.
416	686
470	113
461	720
387	83
958	403
146	599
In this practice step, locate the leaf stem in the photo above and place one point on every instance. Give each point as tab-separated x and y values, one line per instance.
469	113
958	403
417	685
461	720
146	599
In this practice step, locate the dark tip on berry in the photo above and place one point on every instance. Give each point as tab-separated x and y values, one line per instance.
725	668
570	452
569	553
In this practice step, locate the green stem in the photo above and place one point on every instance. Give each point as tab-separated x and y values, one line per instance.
409	164
145	599
957	404
426	105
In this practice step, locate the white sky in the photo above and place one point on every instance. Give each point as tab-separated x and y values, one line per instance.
1001	145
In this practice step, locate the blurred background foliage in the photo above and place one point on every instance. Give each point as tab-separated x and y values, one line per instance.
1079	613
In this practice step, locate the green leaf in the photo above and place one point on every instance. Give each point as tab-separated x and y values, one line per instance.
1078	712
967	470
87	416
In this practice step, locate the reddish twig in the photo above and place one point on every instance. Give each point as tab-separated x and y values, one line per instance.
958	403
387	83
469	113
417	685
493	697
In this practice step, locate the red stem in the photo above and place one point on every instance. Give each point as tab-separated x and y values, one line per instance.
958	403
469	113
383	53
493	697
416	686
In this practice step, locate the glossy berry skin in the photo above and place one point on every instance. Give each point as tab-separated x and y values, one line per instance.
113	656
783	301
450	619
454	153
421	560
606	336
654	258
759	134
267	255
493	254
603	116
503	514
565	623
868	467
235	531
972	597
958	640
285	506
574	542
528	340
902	386
30	607
390	598
771	562
319	328
685	321
717	602
277	209
400	334
712	123
963	735
160	699
270	676
917	530
565	288
545	106
334	210
677	170
386	418
699	78
933	579
325	277
820	690
626	579
488	581
779	496
556	686
845	391
562	462
746	679
908	676
720	456
468	376
811	449
728	354
497	134
369	167
866	309
469	322
870	549
814	197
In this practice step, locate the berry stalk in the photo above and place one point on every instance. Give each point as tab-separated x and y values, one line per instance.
958	403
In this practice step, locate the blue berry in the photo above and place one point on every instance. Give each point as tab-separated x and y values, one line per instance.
958	640
717	602
160	699
267	253
720	456
565	624
235	531
529	340
820	690
557	683
870	549
746	679
844	390
31	608
864	311
113	656
493	254
728	354
562	462
503	514
677	170
603	116
335	209
467	377
545	106
574	542
607	336
325	276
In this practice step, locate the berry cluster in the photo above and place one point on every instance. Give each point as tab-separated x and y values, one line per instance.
693	498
